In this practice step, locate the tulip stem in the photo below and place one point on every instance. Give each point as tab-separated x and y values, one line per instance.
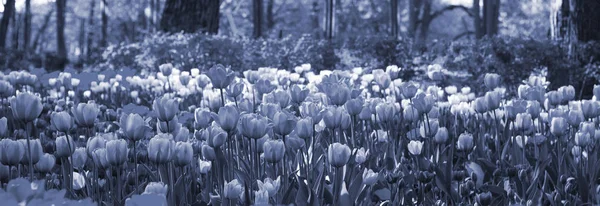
135	169
222	98
30	160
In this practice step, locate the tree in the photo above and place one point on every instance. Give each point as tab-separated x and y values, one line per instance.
423	9
394	17
329	18
191	16
9	8
61	6
27	25
257	18
90	31
104	41
579	19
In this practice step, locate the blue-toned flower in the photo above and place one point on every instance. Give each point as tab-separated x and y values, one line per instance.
274	150
172	127
261	198
304	128
558	126
166	69
208	153
269	109
254	126
263	86
523	122
429	130
480	105
410	113
234	90
11	152
62	121
220	77
184	154
534	109
385	112
369	177
3	127
183	135
312	110
79	158
99	158
228	117
116	152
590	108
465	142
415	147
441	136
409	90
204	166
298	94
338	94
574	117
36	151
582	139
165	108
382	78
85	114
338	154
588	127
354	106
283	123
233	190
423	102
202	118
64	147
270	185
134	127
93	144
216	136
161	149
46	163
568	93
157	188
491	80
361	156
26	107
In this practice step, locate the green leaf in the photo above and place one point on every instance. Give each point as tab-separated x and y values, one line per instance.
355	187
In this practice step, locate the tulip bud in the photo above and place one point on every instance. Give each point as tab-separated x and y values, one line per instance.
576	151
166	69
361	156
36	151
46	163
338	154
184	153
409	90
534	109
11	152
93	144
208	153
574	117
62	121
26	107
415	147
568	93
116	152
558	126
204	166
253	126
410	113
232	190
484	198
274	150
354	106
441	136
596	92
134	127
338	94
157	188
202	118
183	135
423	103
590	108
491	80
171	127
99	158
220	76
298	94
304	128
465	142
480	105
64	147
430	129
79	158
161	149
385	112
85	114
3	127
283	123
582	139
493	99
588	127
165	108
312	110
523	122
369	177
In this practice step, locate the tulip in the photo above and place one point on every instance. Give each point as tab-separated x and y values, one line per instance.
596	92
172	127
64	147
423	103
220	77
429	130
365	114
3	127
576	151
568	93
79	158
554	98
233	189
409	90
520	140
369	177
204	166
93	144
11	152
493	99
184	153
157	188
62	121
116	152
385	112
484	198
280	97
588	127
165	108
208	153
381	78
415	147
332	117
582	139
36	151
574	117
270	185
234	90
523	122
441	136
26	107
590	108
261	198
410	113
166	69
283	123
216	136
312	110
338	94
100	159
534	109
85	114
202	118
304	128
228	117
294	143
274	150
480	105
253	126
338	154
134	127
161	149
465	142
46	163
361	156
298	94
354	106
269	109
558	126
183	135
491	80
263	86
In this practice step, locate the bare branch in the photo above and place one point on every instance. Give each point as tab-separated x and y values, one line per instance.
449	8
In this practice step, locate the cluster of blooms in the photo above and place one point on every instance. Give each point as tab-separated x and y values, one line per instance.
270	136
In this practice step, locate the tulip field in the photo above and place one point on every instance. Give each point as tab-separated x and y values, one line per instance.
294	137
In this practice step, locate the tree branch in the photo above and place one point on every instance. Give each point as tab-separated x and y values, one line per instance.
449	8
466	33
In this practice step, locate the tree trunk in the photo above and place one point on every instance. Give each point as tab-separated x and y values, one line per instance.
27	26
15	31
151	22
81	39
414	8
586	17
42	29
329	19
257	18
425	21
61	6
270	15
104	41
191	16
477	19
9	8
90	32
314	16
394	17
